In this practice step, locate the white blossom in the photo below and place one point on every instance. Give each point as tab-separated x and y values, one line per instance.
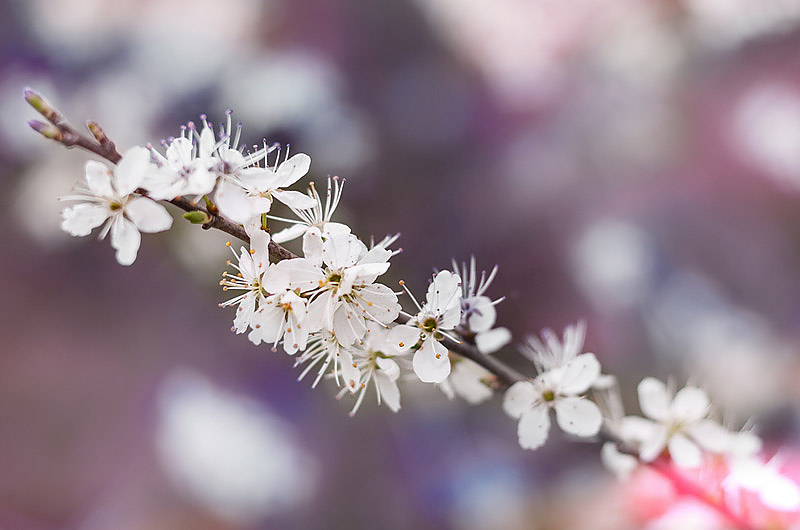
251	265
374	359
324	350
440	313
469	381
318	215
187	167
677	421
245	189
253	192
110	197
564	376
478	314
338	275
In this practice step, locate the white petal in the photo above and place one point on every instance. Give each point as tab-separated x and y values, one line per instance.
684	452
389	392
293	170
207	142
483	314
179	152
402	337
348	326
579	374
637	429
380	302
711	436
294	199
444	293
125	238
690	404
81	219
492	340
780	493
245	312
578	416
654	399
341	250
266	323
431	362
533	427
312	245
467	379
259	244
655	444
98	177
289	234
388	367
349	372
519	398
149	216
200	181
233	202
131	170
296	337
447	389
620	464
745	444
303	274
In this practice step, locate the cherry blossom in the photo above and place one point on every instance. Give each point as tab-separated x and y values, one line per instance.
374	359
677	422
339	275
318	215
440	313
564	376
109	196
186	168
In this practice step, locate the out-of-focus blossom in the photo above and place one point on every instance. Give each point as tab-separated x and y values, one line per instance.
614	263
720	343
727	23
766	128
469	381
228	452
678	422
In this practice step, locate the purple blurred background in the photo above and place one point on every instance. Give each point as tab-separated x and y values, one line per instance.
633	163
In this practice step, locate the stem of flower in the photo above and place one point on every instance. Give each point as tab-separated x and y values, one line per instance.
684	486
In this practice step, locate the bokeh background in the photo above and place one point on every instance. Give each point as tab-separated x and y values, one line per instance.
635	163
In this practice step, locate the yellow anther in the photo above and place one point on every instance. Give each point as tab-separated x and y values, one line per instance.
252	251
227	243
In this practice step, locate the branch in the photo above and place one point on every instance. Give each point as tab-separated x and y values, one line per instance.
60	130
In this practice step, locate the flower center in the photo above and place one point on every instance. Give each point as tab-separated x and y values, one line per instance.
549	396
115	206
335	277
429	324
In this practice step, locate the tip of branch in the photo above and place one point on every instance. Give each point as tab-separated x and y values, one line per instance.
41	105
45	129
99	134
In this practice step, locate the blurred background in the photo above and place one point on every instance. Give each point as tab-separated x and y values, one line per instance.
633	163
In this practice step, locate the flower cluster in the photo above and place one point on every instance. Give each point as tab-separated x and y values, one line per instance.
326	307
